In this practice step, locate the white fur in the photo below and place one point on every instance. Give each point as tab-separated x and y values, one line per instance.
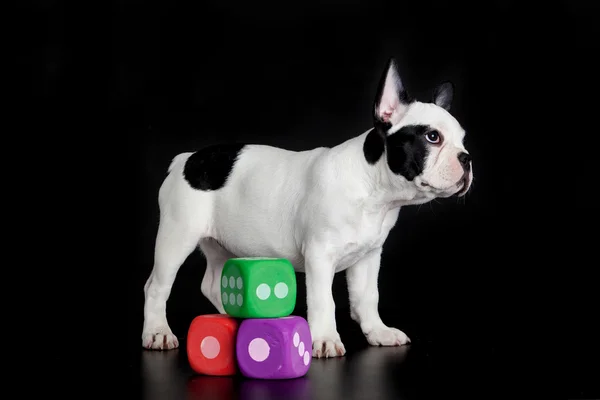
326	210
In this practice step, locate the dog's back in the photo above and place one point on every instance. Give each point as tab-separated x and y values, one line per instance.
250	190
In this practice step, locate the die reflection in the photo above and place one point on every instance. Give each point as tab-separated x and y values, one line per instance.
210	387
288	389
368	373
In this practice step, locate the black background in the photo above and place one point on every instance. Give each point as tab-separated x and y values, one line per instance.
134	83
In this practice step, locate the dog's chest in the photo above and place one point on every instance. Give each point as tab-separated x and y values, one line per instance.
359	239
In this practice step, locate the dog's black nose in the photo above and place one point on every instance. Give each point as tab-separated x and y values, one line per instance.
465	160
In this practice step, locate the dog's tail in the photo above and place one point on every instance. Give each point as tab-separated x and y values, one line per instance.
179	159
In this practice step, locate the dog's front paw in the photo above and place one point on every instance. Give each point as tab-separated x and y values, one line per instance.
326	347
159	339
387	337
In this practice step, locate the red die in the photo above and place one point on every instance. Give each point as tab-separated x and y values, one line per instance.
211	345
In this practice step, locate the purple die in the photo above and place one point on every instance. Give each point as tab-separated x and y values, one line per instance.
274	348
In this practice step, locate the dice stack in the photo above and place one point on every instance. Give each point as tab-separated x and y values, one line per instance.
257	336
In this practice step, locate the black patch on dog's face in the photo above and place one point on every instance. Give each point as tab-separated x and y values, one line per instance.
208	168
407	150
373	147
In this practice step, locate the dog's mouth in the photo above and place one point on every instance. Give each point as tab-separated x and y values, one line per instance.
463	185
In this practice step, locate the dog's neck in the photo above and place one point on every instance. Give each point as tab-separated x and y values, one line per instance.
375	185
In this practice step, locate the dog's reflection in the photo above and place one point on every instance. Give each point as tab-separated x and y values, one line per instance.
327	377
362	375
370	372
161	376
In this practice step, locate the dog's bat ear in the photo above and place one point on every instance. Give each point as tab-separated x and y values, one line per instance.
443	95
392	99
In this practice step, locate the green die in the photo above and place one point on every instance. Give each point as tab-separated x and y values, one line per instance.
258	287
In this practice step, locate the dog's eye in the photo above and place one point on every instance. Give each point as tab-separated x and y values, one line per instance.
433	137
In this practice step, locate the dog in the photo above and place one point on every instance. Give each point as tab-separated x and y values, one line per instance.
327	210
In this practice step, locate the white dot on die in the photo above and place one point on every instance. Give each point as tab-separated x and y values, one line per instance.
225	298
296	339
281	290
263	291
301	349
232	298
232	282
240	283
224	281
258	349
240	300
306	357
210	347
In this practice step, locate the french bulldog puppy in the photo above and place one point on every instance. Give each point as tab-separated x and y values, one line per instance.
326	210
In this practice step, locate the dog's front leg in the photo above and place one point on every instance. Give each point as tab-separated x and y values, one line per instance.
364	299
319	273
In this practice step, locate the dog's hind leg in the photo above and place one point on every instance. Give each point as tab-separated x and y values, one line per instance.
216	255
175	240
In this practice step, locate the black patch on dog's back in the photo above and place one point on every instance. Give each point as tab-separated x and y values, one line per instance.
407	150
208	168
